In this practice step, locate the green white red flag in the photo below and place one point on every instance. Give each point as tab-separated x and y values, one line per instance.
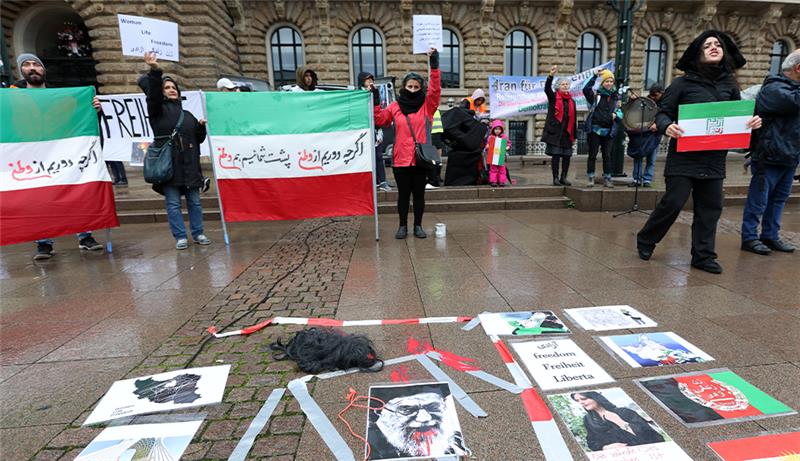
715	125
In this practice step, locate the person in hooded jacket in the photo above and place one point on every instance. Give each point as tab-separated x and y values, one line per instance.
164	108
560	127
601	123
366	81
413	110
709	64
306	80
497	170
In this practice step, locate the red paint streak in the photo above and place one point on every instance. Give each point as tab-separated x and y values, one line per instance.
426	436
535	407
505	354
400	375
305	156
415	347
448	358
464	319
223	156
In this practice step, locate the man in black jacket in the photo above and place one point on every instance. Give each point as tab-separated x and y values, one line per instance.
776	153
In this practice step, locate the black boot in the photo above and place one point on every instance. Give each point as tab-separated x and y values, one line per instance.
563	180
419	232
402	232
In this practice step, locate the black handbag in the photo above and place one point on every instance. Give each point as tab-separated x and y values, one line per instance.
426	154
158	160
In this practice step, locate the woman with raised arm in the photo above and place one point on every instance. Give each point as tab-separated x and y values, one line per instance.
560	127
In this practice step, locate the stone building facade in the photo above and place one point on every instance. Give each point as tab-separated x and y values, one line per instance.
235	37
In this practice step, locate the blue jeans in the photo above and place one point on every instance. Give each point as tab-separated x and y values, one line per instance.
765	202
649	169
80	236
172	198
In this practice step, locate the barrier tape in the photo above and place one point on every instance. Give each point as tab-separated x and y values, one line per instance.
256	426
336	444
458	393
326	322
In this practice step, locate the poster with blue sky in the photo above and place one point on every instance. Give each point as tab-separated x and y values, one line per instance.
654	349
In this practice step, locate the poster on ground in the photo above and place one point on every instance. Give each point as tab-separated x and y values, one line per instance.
715	125
414	421
168	391
606	318
156	442
125	125
53	180
560	364
311	156
654	349
764	447
712	397
140	35
609	425
511	96
528	323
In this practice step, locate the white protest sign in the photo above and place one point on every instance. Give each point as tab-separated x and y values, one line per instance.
559	364
140	34
125	125
427	32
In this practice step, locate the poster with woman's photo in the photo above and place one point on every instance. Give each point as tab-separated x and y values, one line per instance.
609	425
413	421
528	323
654	349
160	442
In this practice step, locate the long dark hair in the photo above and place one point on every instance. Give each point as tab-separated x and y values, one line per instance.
593	417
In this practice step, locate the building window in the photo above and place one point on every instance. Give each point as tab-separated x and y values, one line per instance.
518	135
286	46
367	52
450	59
590	51
655	68
519	53
780	50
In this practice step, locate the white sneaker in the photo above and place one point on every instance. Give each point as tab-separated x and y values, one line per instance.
430	186
202	240
181	244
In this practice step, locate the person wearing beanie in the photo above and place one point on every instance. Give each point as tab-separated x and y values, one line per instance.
560	126
412	114
709	64
601	123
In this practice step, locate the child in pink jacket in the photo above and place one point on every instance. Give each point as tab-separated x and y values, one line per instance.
497	147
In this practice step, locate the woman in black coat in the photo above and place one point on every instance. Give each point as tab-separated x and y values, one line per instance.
560	127
164	109
709	65
609	427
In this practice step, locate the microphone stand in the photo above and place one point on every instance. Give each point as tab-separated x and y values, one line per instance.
635	207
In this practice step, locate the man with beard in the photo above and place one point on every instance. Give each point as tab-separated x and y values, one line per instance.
415	425
34	75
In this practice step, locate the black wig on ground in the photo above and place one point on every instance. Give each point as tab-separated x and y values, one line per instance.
318	350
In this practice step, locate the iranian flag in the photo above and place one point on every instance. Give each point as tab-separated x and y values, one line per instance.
496	151
715	125
285	155
768	447
53	180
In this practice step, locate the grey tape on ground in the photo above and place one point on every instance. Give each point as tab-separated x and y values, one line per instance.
461	396
256	426
321	423
480	374
386	363
472	323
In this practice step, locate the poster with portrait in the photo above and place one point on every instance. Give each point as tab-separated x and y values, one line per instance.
414	421
605	318
653	349
168	391
609	425
560	364
763	447
528	323
160	442
712	397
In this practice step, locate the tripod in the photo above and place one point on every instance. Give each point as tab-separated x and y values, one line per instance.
635	207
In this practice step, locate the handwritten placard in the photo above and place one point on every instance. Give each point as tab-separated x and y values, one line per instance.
427	32
140	34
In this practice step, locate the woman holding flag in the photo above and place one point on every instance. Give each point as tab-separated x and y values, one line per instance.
709	63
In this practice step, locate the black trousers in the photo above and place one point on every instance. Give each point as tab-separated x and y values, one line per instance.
707	197
564	160
117	171
410	180
603	144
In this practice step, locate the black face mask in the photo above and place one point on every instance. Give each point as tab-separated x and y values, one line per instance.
410	102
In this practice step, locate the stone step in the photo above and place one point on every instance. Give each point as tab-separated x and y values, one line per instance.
739	199
527	203
481	192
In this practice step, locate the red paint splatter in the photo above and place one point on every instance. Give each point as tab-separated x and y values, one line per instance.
448	358
424	437
400	375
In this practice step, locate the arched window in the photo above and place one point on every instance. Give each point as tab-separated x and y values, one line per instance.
590	51
367	46
519	53
655	67
780	49
450	59
286	47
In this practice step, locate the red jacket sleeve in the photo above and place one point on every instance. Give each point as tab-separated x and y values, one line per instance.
383	117
434	92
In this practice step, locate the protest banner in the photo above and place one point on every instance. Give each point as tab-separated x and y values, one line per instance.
715	125
309	155
427	30
521	96
560	364
125	125
53	180
139	35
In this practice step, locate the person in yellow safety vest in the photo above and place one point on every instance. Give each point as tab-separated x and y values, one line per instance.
437	131
476	102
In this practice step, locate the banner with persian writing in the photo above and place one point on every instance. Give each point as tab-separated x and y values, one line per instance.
53	180
284	155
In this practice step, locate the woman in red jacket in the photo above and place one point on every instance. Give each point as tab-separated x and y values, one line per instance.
415	105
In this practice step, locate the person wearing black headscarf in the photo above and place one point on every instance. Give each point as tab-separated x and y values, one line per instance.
609	427
709	64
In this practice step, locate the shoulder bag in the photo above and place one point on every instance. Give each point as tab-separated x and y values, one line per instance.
426	155
158	160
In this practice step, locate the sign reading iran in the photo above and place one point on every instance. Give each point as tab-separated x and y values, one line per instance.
715	125
53	180
283	155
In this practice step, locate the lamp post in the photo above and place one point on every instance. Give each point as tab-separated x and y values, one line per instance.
625	10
